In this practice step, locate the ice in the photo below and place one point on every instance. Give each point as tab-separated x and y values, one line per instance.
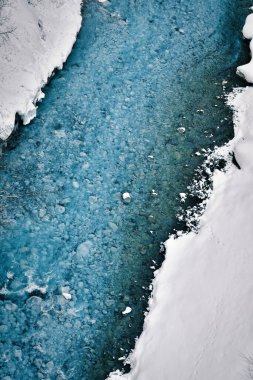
181	130
127	310
67	296
126	197
84	248
183	197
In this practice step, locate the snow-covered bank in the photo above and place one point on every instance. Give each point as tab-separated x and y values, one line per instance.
246	71
39	38
200	324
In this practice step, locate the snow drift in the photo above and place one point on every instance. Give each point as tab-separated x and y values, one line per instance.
200	323
36	37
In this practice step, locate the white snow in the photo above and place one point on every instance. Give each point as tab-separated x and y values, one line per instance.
200	323
42	38
246	71
183	197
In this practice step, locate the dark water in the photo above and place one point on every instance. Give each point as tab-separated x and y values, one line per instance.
109	124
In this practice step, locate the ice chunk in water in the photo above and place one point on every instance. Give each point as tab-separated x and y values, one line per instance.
84	248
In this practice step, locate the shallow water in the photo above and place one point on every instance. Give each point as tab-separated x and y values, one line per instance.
109	124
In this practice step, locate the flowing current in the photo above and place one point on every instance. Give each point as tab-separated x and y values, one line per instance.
141	93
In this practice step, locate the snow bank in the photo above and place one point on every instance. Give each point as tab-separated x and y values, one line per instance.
246	71
41	36
200	324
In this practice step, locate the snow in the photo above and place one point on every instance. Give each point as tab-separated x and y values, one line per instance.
42	38
183	197
200	323
246	71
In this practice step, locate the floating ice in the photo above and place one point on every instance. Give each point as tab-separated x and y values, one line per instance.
127	310
126	197
181	130
67	296
84	248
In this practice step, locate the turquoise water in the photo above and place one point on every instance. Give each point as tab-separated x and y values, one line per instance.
109	124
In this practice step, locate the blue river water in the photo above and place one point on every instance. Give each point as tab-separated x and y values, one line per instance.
74	255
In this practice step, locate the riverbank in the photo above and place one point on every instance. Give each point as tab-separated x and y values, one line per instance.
35	38
200	321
